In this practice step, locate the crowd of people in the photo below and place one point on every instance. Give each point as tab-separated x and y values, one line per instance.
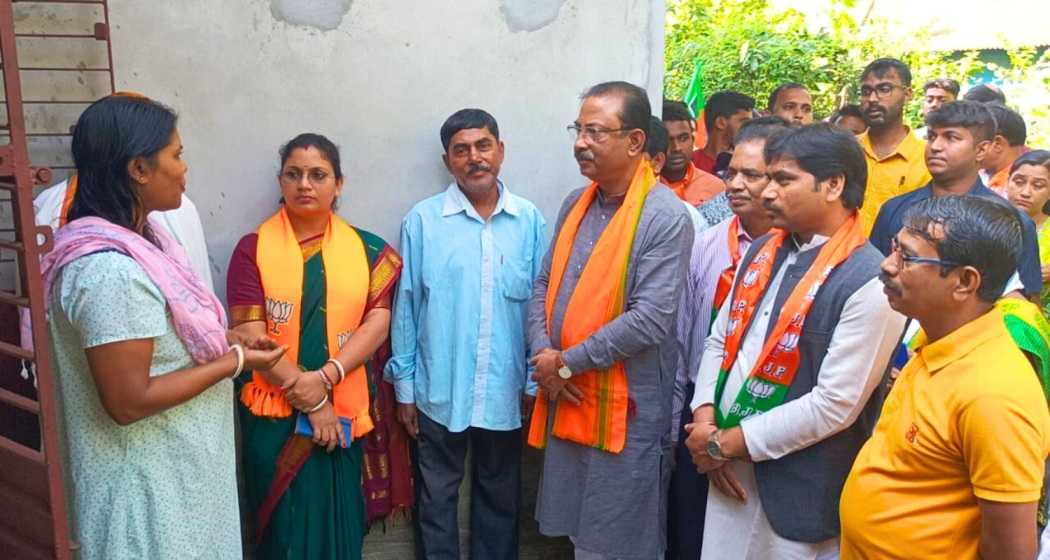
801	340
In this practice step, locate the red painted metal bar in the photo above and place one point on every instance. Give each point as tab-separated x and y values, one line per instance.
15	167
109	43
16	400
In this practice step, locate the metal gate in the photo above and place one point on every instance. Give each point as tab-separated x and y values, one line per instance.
33	522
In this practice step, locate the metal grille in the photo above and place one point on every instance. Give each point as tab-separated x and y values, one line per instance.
56	59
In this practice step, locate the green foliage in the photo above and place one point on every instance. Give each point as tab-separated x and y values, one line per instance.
747	46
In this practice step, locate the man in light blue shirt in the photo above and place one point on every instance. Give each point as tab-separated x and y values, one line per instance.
459	364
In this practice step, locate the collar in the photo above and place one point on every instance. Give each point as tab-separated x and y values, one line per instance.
960	342
977	189
456	202
817	241
909	148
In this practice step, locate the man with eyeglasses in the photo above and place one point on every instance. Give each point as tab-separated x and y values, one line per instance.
601	328
459	364
715	257
958	136
789	383
955	465
690	183
893	152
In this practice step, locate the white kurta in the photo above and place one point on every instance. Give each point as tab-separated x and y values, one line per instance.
184	223
861	346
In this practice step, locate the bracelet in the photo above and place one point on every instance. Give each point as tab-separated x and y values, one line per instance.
324	379
319	405
338	367
240	360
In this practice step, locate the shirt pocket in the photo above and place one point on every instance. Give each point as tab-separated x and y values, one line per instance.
516	279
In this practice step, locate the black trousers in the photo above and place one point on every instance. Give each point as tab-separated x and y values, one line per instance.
495	490
687	500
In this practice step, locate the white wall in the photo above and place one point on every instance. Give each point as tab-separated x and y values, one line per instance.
379	78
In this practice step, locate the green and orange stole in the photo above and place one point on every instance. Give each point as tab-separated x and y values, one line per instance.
768	383
725	280
600	421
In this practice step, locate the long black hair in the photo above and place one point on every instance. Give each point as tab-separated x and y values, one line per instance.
109	134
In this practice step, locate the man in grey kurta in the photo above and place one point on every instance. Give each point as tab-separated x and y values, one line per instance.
613	505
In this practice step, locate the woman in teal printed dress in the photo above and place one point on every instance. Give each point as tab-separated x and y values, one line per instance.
142	355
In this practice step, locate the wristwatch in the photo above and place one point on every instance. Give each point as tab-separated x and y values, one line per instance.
564	372
714	446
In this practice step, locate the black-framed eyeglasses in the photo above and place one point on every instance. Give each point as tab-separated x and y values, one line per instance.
896	249
880	90
595	134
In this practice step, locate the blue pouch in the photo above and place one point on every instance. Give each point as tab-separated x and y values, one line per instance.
303	427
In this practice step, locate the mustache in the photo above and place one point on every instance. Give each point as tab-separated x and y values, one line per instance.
890	284
475	167
584	155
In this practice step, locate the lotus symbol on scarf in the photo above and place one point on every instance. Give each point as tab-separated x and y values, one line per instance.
343	337
278	313
732	326
760	389
788	342
750	278
812	292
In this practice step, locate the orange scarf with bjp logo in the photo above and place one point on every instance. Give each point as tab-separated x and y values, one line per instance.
774	371
280	263
600	421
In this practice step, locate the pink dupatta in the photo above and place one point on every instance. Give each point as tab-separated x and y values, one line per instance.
198	315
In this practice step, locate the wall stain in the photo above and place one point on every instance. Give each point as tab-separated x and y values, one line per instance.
325	15
529	15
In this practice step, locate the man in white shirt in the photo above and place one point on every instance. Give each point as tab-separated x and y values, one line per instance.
183	223
783	399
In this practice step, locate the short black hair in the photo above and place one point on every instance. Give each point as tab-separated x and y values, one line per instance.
947	84
1009	124
984	93
880	66
656	140
782	88
824	151
676	111
725	104
761	128
635	112
465	119
976	231
851	110
968	114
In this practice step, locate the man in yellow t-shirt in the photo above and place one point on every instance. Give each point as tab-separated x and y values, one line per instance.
955	465
895	155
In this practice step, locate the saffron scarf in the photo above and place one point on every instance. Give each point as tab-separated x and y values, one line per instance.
600	421
775	369
280	263
678	187
725	280
198	316
67	200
